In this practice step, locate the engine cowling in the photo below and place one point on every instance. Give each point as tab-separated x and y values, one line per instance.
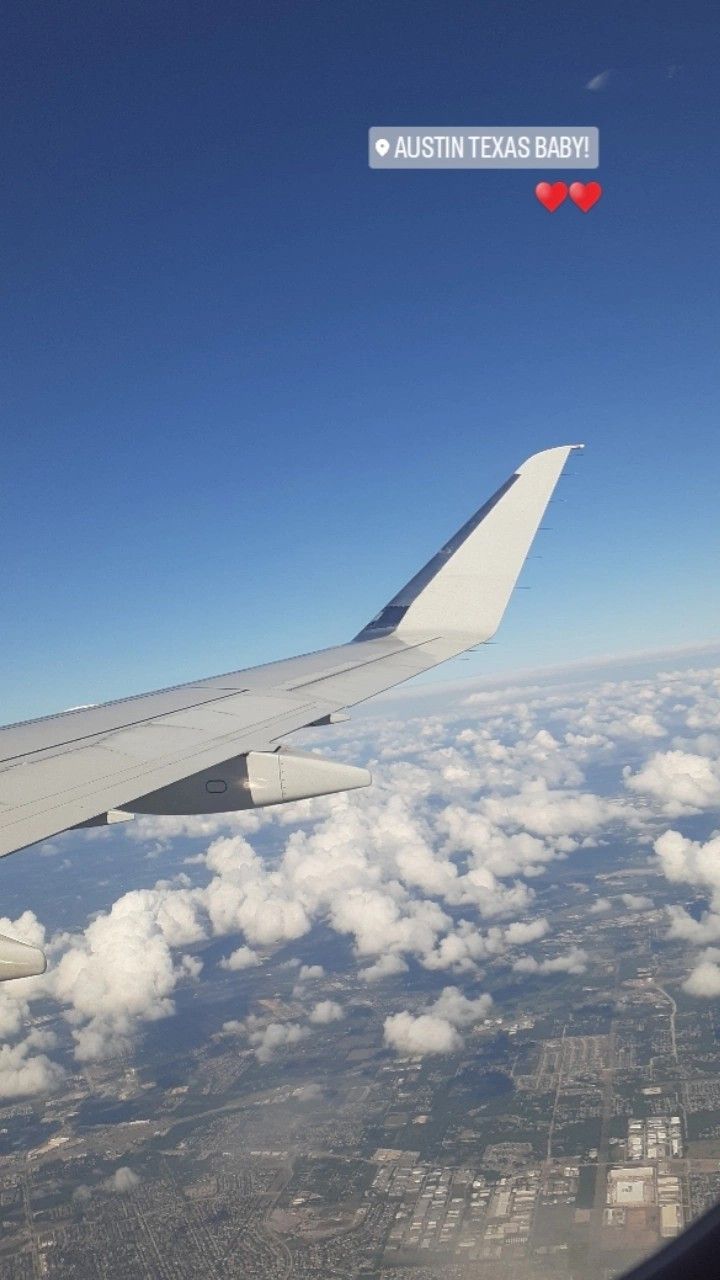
20	960
252	781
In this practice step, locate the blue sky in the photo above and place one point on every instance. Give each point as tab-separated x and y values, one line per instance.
249	385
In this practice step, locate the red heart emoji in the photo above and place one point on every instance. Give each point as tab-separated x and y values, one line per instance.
585	194
551	196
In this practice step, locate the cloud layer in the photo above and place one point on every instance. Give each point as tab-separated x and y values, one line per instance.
436	864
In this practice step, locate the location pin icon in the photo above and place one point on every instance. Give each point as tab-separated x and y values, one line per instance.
382	146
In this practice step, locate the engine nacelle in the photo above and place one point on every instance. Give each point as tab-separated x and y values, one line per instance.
252	781
20	960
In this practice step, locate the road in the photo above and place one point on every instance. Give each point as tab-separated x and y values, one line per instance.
558	1087
608	1075
673	1014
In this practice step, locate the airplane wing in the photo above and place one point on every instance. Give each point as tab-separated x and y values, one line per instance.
215	745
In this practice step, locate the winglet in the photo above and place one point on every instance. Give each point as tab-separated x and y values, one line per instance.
464	590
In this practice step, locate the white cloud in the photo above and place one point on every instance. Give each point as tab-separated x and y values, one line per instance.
636	902
13	1013
191	967
599	81
691	861
310	973
25	1068
275	1036
234	1027
244	897
385	967
522	931
461	949
458	1009
548	813
242	958
421	1035
495	851
683	925
326	1011
204	826
642	725
121	970
123	1180
600	906
704	981
23	1073
435	1030
575	961
678	781
697	863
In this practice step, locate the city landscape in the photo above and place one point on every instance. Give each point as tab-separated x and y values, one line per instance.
291	1115
579	1128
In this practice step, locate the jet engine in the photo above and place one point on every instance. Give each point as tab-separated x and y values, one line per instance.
20	960
250	782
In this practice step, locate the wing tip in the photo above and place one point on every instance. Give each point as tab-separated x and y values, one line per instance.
546	454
